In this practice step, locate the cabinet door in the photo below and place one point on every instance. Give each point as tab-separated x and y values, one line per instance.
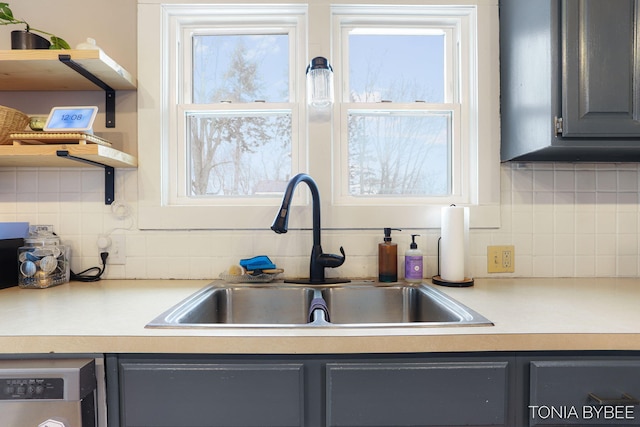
198	395
584	392
417	394
600	69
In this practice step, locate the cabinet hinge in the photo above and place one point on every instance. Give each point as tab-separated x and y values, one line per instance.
557	122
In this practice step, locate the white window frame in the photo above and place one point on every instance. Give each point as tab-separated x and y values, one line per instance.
322	133
182	104
165	98
470	162
408	20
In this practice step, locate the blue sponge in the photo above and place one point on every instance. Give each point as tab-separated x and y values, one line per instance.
260	262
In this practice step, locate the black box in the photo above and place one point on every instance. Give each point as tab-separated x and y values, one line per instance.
9	262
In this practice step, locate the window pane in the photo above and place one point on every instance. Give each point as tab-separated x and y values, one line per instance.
240	68
233	154
397	68
399	154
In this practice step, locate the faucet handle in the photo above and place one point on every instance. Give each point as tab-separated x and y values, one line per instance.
332	260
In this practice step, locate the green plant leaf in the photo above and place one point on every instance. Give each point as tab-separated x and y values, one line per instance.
5	12
58	43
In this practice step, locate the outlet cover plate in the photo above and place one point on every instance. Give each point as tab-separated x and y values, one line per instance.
117	253
501	259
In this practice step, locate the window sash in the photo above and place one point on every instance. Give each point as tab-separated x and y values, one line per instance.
179	170
451	78
420	20
186	53
458	190
186	21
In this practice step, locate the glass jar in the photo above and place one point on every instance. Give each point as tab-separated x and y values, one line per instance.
43	261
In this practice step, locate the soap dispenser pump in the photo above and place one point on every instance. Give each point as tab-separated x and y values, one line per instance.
413	262
388	258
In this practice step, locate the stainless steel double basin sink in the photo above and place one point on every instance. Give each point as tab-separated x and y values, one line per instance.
355	304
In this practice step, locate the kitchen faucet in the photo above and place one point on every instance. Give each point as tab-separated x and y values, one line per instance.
318	260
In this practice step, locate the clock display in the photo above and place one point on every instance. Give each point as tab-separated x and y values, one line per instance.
71	118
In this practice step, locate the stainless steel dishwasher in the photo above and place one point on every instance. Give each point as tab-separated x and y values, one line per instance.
48	393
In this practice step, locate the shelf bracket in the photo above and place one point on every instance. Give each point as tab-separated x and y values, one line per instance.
109	174
110	93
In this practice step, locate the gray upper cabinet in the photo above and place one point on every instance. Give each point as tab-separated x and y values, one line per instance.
569	80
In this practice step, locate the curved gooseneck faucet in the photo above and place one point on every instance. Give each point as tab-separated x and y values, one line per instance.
319	261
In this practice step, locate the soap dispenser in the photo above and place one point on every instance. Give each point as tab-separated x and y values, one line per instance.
388	258
413	262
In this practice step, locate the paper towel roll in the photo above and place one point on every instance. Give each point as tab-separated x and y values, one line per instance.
453	243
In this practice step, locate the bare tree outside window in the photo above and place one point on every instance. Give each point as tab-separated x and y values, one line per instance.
393	152
239	153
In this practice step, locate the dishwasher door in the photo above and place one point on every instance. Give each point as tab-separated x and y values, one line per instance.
55	392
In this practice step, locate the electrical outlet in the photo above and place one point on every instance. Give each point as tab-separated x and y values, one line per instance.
500	259
117	254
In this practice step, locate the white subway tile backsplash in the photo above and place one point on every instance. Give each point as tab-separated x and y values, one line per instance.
627	266
48	181
605	266
543	180
585	180
564	181
628	181
563	266
543	266
585	266
627	244
8	182
70	181
563	219
585	244
605	222
607	180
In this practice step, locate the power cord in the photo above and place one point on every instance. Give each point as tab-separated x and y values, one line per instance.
84	277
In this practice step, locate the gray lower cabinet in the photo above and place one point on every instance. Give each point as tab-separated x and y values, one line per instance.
309	391
570	88
515	389
584	392
417	394
212	394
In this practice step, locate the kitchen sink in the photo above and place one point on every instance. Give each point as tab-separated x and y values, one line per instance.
394	304
240	305
356	304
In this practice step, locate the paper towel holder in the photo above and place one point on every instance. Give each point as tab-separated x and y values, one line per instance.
468	281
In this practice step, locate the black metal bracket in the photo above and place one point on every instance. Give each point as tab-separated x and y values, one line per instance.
109	174
110	93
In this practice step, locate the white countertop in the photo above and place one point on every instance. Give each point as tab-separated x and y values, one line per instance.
528	314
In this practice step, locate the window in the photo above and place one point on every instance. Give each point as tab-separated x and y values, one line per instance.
414	126
236	152
400	106
235	106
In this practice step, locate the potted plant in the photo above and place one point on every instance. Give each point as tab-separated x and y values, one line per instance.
26	39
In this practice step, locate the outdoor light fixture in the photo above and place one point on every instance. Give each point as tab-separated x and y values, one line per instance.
319	83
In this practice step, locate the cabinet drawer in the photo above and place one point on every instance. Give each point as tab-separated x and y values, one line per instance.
420	394
198	395
567	392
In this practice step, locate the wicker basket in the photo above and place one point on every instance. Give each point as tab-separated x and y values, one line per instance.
11	121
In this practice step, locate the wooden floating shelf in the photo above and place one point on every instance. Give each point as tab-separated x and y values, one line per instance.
46	156
42	70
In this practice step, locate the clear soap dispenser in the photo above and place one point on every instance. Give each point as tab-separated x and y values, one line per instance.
388	258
